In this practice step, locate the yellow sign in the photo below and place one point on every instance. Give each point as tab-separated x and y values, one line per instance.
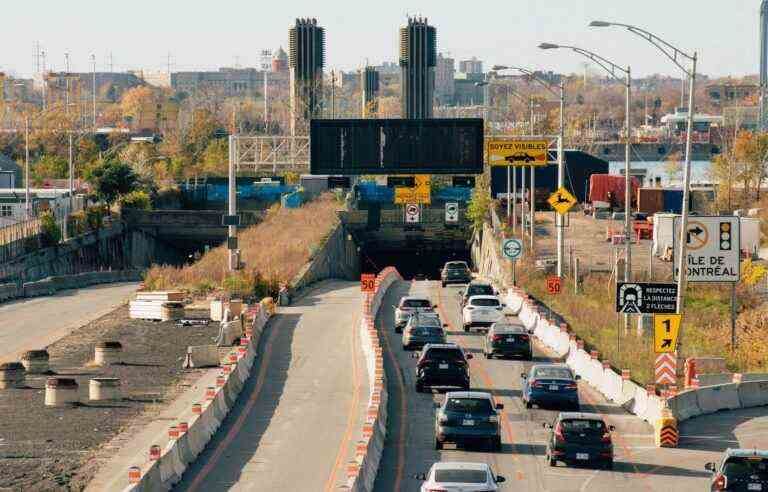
518	152
666	328
562	201
420	193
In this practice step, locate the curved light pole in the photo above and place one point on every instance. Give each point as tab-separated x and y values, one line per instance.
558	91
677	57
614	71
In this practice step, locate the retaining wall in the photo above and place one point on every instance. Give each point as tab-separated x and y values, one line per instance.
53	284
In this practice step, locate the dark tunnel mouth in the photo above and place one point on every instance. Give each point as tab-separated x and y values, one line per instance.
413	263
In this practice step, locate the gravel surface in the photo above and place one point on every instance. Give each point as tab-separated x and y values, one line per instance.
45	448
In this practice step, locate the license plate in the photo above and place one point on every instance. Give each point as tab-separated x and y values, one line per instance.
468	422
510	338
755	486
553	387
582	456
443	366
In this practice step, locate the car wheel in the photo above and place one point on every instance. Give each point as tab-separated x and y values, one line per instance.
398	329
528	404
467	328
406	347
529	356
488	355
552	461
438	444
609	465
496	443
575	407
443	284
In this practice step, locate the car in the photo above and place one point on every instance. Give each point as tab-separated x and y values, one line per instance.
423	328
468	417
577	437
459	477
521	157
409	305
507	339
550	385
455	272
740	469
476	289
442	365
481	311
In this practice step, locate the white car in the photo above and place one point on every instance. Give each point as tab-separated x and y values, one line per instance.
482	311
460	477
409	305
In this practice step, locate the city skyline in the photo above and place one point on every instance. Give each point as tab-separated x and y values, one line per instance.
148	32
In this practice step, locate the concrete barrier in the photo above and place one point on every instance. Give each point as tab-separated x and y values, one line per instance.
715	398
753	393
362	471
51	285
685	405
204	419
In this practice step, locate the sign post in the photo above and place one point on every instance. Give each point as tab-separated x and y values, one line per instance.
412	213
512	249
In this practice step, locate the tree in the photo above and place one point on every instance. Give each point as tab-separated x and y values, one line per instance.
110	179
215	158
50	166
673	167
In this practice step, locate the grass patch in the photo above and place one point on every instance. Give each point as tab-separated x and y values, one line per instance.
273	251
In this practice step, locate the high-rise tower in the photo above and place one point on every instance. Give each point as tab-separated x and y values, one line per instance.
418	57
370	92
306	61
763	62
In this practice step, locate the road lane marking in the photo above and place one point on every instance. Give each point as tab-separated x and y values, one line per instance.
352	415
400	467
238	424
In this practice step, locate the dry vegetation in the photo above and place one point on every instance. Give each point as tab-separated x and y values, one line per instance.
273	252
591	314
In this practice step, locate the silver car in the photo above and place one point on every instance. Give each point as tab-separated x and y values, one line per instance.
421	329
409	305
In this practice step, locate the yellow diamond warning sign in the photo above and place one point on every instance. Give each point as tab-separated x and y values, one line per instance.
562	201
518	152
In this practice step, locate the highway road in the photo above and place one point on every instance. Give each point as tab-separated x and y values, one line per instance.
639	464
296	421
35	323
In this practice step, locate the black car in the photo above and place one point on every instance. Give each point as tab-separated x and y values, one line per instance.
520	157
508	340
580	438
468	417
476	289
455	272
443	364
740	469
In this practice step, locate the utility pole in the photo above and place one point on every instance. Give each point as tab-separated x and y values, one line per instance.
27	208
45	82
66	98
94	89
232	208
561	181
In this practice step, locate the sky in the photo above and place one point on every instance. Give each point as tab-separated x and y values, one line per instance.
204	35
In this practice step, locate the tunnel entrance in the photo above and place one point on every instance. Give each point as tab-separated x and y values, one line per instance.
412	263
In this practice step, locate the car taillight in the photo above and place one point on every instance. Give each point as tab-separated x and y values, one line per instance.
606	438
559	433
536	384
497	338
572	386
524	338
720	482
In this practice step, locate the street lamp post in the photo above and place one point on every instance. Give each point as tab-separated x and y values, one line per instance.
558	91
612	70
676	56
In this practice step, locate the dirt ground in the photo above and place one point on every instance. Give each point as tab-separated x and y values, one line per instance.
52	449
585	239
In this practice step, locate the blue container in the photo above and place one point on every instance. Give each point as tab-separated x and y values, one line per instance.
673	201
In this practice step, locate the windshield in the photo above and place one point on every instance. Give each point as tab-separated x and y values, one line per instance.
737	466
428	322
512	329
417	303
461	476
456	265
585	425
444	354
479	290
480	406
485	302
552	373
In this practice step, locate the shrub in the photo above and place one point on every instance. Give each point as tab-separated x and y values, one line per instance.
136	199
94	216
50	230
480	203
76	223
